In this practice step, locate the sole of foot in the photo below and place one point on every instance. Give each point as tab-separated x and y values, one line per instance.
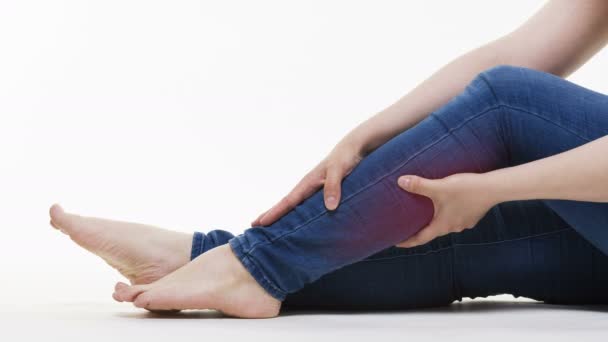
141	253
214	280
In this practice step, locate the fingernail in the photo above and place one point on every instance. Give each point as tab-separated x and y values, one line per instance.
331	202
404	181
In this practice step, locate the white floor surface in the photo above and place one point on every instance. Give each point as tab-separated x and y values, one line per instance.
480	320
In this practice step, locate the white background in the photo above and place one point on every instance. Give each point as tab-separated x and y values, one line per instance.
195	114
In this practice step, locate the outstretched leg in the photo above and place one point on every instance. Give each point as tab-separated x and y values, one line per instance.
522	248
505	116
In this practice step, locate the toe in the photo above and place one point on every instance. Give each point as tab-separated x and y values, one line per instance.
116	297
142	300
128	293
56	211
156	300
60	219
54	225
120	285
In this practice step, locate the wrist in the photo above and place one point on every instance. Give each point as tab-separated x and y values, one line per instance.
356	142
492	189
503	186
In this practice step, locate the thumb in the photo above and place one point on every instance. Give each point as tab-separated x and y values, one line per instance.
332	188
416	185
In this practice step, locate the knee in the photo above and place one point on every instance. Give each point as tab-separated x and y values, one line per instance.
498	86
510	83
503	71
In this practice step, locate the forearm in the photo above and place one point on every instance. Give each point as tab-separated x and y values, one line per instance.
431	94
558	39
579	174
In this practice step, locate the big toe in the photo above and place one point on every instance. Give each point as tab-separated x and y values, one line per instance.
56	211
143	300
62	220
128	293
159	300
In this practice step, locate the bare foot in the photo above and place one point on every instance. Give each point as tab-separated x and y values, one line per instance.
141	253
214	280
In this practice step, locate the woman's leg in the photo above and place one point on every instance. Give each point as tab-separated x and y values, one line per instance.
506	116
521	248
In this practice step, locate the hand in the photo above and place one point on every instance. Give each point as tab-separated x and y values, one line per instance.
459	200
329	173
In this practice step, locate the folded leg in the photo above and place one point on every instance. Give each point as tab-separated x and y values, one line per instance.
505	116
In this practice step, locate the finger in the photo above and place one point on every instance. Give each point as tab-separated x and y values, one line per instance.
305	188
332	187
416	185
423	236
256	222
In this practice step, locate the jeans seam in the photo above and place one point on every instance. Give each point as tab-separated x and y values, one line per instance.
455	279
487	82
379	179
503	136
500	103
468	245
267	281
547	120
254	269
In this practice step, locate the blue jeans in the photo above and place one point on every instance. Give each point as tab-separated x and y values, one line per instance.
550	250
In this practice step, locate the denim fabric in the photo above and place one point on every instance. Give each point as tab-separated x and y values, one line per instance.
545	249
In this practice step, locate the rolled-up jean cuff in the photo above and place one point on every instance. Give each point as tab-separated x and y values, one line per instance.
255	270
197	245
